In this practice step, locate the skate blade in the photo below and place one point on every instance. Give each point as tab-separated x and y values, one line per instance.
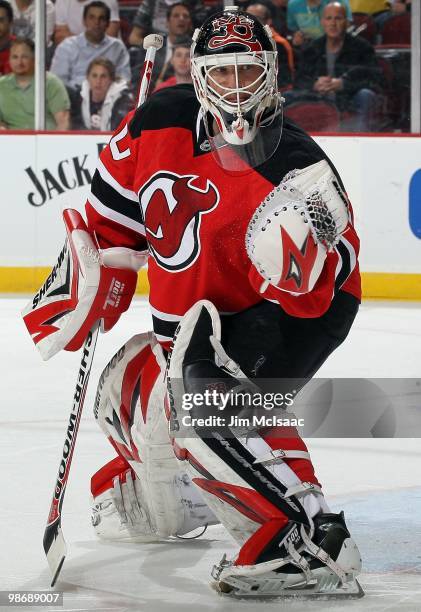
318	591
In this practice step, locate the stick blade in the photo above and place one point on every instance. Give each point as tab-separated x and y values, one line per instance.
55	549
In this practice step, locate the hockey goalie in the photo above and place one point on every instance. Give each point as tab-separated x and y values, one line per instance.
253	274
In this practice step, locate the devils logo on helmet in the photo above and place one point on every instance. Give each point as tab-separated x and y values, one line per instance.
236	30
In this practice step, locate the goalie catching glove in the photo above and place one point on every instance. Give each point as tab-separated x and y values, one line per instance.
295	226
85	285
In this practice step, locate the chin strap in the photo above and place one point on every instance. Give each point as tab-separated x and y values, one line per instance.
272	112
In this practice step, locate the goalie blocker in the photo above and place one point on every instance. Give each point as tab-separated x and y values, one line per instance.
85	285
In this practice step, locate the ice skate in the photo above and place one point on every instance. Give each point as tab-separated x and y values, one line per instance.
325	566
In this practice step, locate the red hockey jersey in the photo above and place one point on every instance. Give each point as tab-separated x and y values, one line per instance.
158	186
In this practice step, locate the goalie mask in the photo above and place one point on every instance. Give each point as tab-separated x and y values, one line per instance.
234	70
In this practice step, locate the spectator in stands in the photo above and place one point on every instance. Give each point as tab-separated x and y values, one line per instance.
6	21
180	65
285	52
304	19
395	7
279	16
204	9
17	92
73	56
103	100
342	69
69	18
179	21
399	7
24	18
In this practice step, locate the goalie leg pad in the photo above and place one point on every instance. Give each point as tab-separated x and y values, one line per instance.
194	362
132	368
129	407
121	509
256	494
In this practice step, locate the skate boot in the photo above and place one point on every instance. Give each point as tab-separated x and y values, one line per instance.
325	565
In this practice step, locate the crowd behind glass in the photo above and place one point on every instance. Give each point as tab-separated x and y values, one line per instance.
343	66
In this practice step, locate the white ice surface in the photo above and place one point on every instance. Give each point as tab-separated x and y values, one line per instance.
376	482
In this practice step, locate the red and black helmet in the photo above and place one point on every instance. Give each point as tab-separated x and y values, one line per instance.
232	42
233	31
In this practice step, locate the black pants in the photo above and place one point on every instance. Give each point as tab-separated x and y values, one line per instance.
268	343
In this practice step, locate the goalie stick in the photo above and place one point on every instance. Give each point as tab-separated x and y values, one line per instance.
151	43
54	544
55	547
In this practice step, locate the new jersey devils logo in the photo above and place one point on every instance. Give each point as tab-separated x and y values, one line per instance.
236	30
172	207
